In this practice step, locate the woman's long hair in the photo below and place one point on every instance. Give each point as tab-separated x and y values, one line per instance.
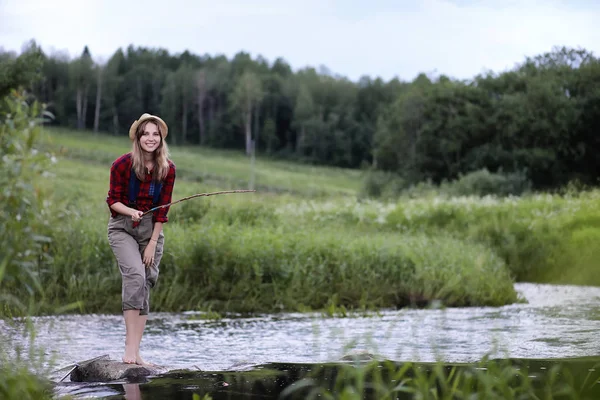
161	154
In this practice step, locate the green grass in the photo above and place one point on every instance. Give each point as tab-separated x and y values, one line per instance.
219	167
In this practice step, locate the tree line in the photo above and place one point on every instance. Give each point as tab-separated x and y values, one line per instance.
540	118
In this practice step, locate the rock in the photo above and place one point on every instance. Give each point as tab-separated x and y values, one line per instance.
103	369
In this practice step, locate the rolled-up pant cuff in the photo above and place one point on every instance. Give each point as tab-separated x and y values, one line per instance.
143	310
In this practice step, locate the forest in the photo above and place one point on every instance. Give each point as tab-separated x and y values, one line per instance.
535	124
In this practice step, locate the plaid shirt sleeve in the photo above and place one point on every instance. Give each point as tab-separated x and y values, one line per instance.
160	215
119	176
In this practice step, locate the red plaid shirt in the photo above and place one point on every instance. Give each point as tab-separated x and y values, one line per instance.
119	189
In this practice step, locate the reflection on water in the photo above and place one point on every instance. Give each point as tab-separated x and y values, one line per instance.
556	321
132	391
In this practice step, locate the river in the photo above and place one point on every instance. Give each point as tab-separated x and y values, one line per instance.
555	321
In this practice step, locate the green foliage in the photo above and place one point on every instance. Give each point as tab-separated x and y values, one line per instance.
24	216
190	211
525	119
575	258
382	184
20	384
20	71
388	185
253	269
486	379
246	260
484	183
64	281
246	214
25	229
538	117
542	238
196	396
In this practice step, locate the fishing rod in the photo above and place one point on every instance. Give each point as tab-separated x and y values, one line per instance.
197	195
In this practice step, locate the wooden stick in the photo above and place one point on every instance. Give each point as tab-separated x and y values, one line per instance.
197	195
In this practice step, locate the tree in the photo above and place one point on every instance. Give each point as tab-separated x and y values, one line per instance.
20	71
304	111
184	81
202	89
246	97
399	128
112	80
100	69
81	80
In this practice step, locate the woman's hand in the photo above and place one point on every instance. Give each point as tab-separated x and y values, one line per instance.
136	215
149	252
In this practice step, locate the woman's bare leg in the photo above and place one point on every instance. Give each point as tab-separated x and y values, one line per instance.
132	338
141	324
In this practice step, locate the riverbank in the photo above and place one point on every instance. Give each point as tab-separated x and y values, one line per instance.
306	240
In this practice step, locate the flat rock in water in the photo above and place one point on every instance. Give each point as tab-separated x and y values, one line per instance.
103	369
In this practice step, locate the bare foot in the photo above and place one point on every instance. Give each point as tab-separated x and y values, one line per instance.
140	361
128	360
129	356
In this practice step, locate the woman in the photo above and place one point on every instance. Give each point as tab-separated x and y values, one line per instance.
139	180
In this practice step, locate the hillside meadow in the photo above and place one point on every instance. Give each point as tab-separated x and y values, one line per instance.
306	240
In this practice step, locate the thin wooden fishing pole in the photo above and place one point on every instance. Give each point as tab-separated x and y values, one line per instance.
196	195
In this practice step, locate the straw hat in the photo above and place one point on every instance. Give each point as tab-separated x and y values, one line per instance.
163	126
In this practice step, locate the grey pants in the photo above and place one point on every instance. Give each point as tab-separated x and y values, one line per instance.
128	245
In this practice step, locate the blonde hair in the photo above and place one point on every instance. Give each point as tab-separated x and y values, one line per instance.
161	154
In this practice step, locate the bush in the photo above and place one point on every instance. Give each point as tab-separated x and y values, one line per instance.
384	184
484	183
388	185
24	216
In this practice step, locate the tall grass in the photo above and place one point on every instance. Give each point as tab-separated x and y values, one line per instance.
246	258
573	379
541	237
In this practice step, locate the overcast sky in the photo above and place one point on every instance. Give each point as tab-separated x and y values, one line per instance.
386	38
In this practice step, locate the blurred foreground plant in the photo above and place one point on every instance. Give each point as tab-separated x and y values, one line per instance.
486	379
24	227
24	221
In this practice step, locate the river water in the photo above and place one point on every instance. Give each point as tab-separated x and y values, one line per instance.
555	321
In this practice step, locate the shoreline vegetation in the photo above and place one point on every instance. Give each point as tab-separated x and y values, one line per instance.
285	248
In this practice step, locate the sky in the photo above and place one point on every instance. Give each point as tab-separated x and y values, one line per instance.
377	38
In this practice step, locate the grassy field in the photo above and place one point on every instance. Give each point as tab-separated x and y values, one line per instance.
218	168
306	241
